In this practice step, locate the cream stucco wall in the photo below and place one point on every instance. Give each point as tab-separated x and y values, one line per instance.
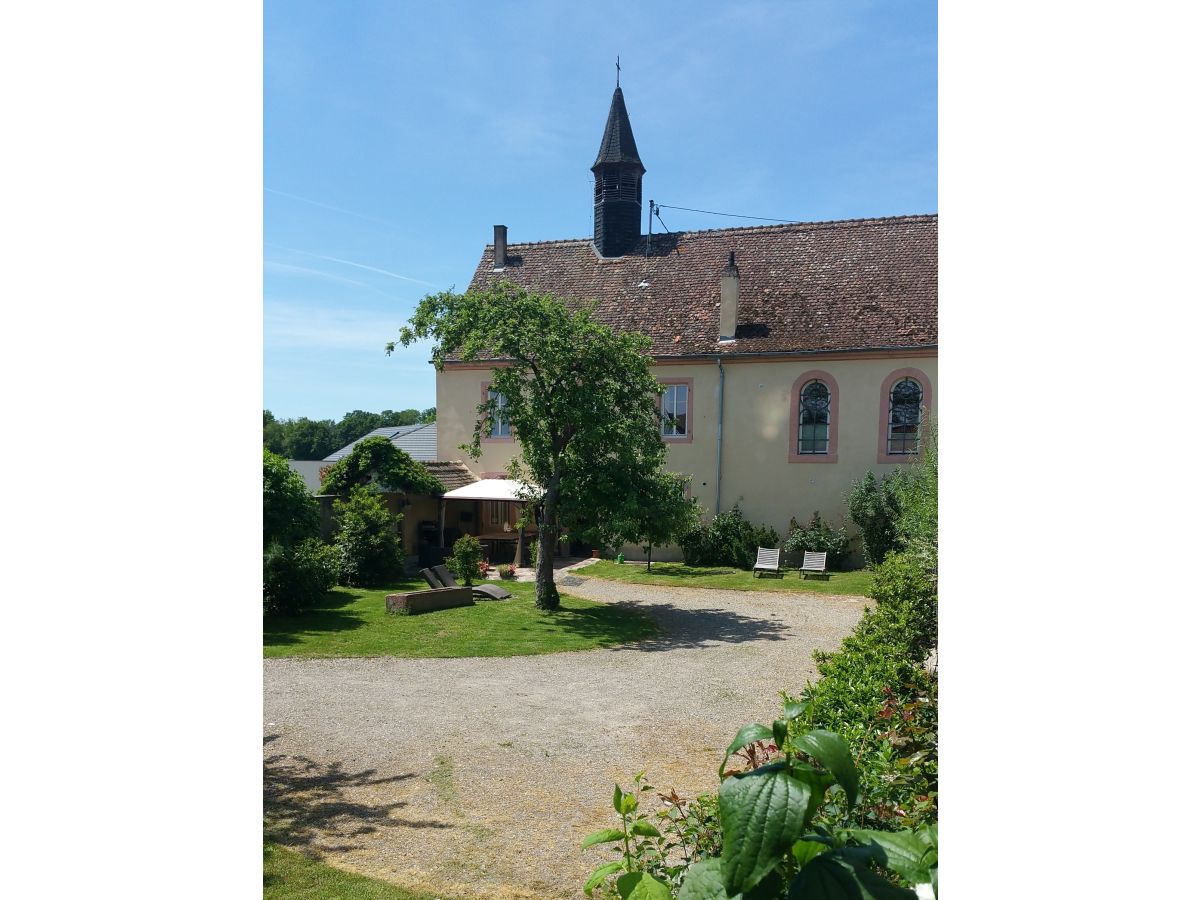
755	469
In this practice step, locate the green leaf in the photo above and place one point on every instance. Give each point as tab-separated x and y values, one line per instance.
601	873
793	709
645	829
831	751
829	876
933	879
779	731
747	734
904	851
703	882
629	803
642	886
804	850
617	795
603	836
762	814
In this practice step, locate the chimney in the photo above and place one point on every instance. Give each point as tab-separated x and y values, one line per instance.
729	299
500	253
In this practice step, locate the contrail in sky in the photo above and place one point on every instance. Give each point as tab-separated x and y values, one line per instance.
348	212
347	262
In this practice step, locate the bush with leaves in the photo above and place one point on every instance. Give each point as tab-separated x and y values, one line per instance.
296	569
466	558
728	540
377	460
290	512
874	506
771	846
368	546
818	536
296	577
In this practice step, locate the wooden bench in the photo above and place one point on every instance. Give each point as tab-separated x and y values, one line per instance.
814	564
768	561
428	601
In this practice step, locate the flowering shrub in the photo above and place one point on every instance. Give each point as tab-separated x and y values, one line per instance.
818	537
506	571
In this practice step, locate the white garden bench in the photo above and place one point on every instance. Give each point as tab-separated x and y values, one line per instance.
768	561
814	564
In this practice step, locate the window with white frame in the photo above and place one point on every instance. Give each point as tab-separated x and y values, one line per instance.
500	425
904	418
674	410
813	437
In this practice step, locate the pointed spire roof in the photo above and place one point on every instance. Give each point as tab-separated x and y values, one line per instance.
617	145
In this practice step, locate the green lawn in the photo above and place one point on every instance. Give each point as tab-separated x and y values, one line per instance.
288	875
857	583
355	622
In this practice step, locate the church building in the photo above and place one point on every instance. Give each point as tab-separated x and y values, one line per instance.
795	358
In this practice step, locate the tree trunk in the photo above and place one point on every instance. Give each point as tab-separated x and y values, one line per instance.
547	591
648	549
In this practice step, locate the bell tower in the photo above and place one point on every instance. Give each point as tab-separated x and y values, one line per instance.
618	193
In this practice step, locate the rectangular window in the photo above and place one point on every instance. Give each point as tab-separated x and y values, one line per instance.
497	512
500	426
814	437
674	410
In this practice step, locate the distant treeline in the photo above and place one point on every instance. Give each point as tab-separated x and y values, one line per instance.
316	439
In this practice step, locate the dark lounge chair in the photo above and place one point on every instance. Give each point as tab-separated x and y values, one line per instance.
442	575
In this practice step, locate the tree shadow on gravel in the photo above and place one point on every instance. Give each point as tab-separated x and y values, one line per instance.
678	627
307	803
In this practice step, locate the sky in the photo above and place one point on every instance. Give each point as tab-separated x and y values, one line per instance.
397	134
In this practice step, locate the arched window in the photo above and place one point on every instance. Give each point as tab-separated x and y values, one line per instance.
813	434
904	417
813	437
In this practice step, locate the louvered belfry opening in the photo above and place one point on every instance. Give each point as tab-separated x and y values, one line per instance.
618	171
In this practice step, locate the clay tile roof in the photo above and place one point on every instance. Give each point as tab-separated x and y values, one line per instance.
863	284
451	474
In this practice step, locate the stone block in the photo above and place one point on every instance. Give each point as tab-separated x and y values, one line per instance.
428	601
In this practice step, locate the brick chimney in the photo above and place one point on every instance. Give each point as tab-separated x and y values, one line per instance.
500	251
730	280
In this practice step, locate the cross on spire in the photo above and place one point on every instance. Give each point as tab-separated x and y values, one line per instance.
618	70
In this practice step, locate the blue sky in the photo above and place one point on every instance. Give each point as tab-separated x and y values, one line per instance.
397	134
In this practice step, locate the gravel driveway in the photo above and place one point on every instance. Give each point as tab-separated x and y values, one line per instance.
479	777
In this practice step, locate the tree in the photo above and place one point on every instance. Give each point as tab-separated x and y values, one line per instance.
379	460
308	439
579	396
428	415
655	511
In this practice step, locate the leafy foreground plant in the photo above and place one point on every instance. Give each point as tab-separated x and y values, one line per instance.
770	847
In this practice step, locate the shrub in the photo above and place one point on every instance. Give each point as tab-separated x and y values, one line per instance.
874	506
728	540
770	842
506	571
369	550
818	537
466	558
296	577
290	512
378	458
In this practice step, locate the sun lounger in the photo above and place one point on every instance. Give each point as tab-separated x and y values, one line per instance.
491	591
768	561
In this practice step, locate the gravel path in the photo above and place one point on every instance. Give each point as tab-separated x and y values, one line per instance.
479	777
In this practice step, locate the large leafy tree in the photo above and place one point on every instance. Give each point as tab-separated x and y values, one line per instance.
377	460
579	396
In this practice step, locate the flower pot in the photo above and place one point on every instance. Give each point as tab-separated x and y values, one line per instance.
595	554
